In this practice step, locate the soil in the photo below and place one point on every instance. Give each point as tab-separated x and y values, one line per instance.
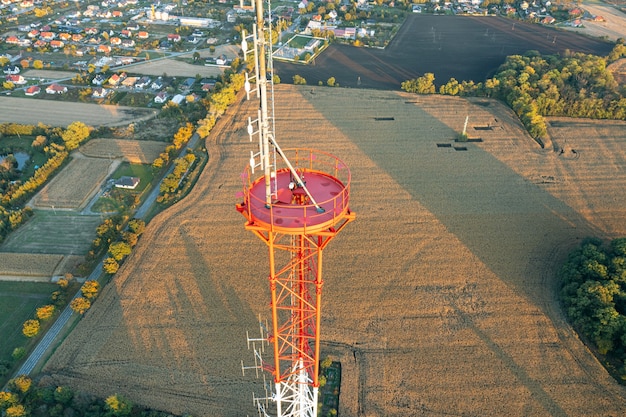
464	48
438	300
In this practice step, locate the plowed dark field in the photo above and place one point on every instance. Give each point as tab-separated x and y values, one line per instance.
461	47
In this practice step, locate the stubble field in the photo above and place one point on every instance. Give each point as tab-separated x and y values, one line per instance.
63	113
76	183
133	151
438	300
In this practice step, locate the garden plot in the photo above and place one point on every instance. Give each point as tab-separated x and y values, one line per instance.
55	231
28	265
74	185
135	152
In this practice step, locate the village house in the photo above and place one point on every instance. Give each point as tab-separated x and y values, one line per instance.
129	183
115	41
98	79
12	40
129	82
178	98
47	36
32	90
187	84
99	92
11	69
56	89
56	44
157	84
173	37
105	49
161	97
15	79
143	82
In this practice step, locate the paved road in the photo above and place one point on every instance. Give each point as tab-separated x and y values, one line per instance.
46	341
43	345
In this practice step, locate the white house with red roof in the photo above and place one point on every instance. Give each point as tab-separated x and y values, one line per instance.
100	92
15	79
12	40
47	36
56	89
32	90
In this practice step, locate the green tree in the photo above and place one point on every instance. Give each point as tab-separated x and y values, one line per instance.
45	312
17	410
110	266
420	85
31	328
7	399
119	250
137	226
18	353
90	289
118	406
63	395
299	80
451	88
20	384
80	305
76	133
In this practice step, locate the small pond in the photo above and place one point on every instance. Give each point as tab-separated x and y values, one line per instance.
21	157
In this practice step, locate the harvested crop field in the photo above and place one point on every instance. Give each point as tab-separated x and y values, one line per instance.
77	182
62	113
28	264
438	300
54	232
133	151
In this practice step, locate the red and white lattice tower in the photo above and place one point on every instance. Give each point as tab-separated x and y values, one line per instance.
297	206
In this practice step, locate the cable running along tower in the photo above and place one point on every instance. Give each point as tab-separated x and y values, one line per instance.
296	206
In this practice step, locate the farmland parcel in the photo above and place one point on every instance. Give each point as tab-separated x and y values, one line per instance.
439	299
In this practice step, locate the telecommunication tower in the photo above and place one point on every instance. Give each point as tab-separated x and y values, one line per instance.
297	206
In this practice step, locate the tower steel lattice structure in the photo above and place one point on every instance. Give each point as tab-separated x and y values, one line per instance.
297	206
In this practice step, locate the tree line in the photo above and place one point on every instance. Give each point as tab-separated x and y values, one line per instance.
25	398
536	86
593	295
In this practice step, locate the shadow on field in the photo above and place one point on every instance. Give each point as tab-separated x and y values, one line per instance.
514	227
518	230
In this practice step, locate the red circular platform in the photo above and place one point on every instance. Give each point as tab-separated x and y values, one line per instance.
327	180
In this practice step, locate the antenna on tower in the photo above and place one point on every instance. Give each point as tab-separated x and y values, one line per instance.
296	218
263	62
